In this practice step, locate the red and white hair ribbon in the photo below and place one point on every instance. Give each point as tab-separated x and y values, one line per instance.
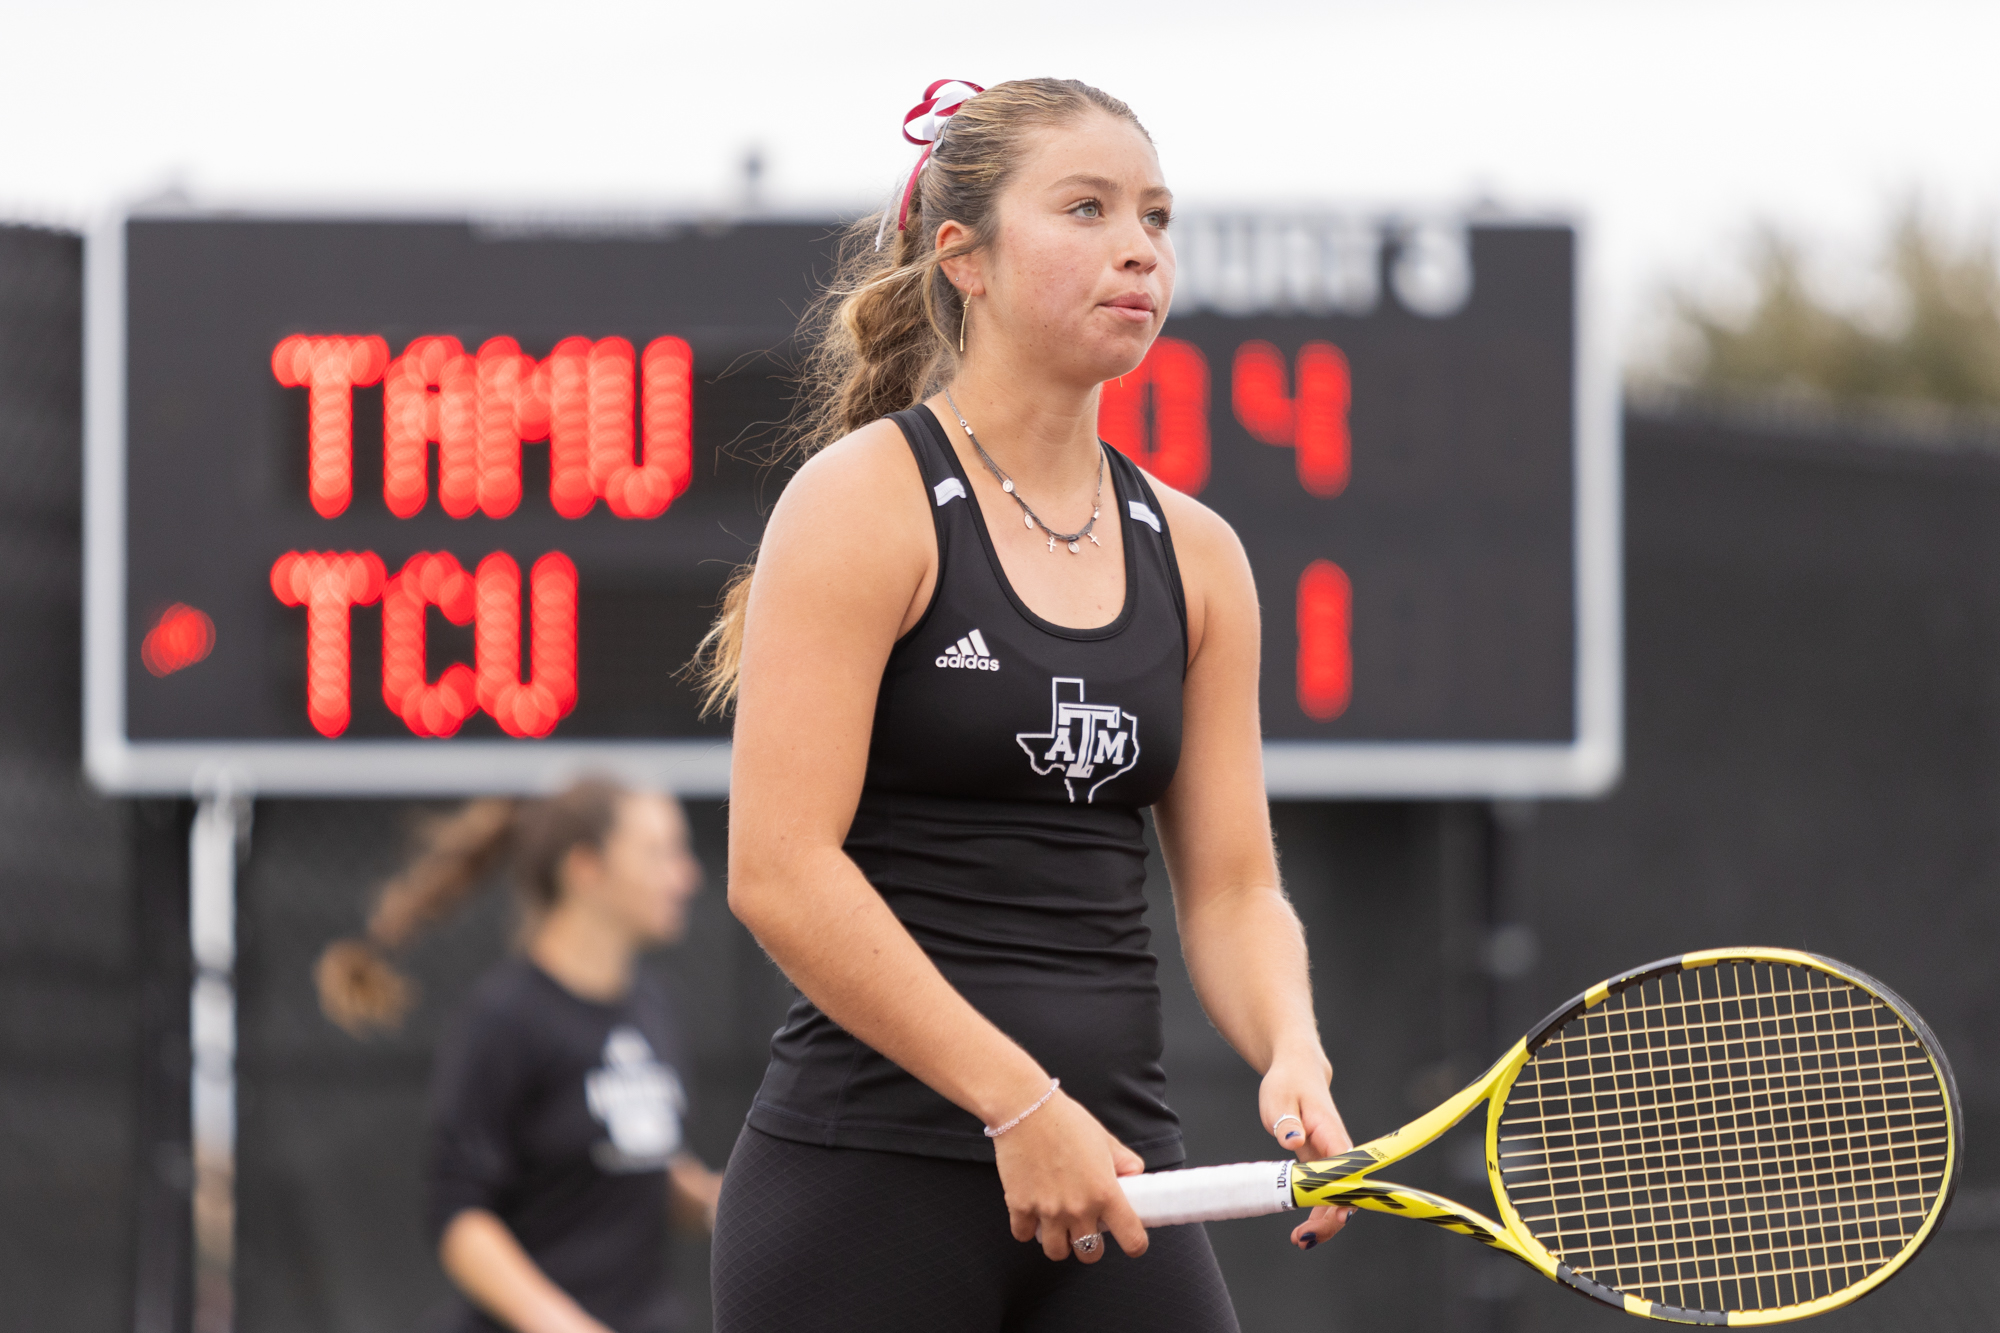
923	125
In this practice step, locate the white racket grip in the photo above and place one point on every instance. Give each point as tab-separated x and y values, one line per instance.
1210	1193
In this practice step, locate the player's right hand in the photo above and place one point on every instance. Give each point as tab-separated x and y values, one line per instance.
1060	1169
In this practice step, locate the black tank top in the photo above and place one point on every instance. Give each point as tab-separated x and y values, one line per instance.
1001	821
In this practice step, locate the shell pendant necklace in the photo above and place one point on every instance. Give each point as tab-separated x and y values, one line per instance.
1029	518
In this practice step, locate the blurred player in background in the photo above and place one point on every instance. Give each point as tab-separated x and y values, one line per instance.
556	1148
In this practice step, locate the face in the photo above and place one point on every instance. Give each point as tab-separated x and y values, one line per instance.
645	873
1081	268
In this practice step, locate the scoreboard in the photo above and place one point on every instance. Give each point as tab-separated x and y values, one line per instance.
402	506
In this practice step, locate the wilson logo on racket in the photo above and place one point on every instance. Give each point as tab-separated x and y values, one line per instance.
1735	1136
1088	743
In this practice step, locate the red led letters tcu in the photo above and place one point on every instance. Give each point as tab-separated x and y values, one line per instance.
619	427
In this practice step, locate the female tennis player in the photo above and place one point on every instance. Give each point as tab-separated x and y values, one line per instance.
977	645
556	1151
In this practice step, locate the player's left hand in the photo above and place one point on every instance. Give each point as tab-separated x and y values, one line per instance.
1301	1087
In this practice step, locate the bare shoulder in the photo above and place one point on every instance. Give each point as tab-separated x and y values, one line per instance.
851	534
1215	571
873	467
1205	545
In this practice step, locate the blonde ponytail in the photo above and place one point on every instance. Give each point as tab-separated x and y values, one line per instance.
881	332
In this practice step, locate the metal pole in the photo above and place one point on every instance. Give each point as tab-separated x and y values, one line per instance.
163	1258
220	834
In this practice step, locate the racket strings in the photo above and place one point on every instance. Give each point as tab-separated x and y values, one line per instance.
1743	1136
1748	1219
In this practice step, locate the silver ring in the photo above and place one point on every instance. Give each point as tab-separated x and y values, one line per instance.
1085	1244
1282	1119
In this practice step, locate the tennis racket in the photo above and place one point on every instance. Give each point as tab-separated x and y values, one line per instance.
1736	1136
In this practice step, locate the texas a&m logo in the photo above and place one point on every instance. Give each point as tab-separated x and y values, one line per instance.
1089	744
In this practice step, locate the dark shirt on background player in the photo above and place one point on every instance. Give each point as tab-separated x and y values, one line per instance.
560	1115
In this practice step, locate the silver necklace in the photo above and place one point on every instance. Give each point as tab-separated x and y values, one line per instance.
1029	518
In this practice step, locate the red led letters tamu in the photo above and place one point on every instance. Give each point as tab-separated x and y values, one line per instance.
480	409
619	426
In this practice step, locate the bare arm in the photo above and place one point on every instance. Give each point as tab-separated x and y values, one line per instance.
1245	949
482	1257
846	566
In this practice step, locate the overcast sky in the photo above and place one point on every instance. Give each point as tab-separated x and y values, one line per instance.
1666	124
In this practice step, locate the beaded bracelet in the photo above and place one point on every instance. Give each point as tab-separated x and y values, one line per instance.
1040	1102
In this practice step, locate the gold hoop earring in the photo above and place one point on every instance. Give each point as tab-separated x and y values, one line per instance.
964	305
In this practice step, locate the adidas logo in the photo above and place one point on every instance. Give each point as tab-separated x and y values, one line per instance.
970	653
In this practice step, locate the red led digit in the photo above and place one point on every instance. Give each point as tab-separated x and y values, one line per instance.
427	709
531	707
666	407
1326	658
429	393
591	445
507	410
330	369
568	378
1324	394
1257	392
1175	376
608	374
580	399
327	584
1314	423
552	655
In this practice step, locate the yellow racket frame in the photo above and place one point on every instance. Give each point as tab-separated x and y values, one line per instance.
1343	1180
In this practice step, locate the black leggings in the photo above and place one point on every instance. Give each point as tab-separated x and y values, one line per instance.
840	1240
